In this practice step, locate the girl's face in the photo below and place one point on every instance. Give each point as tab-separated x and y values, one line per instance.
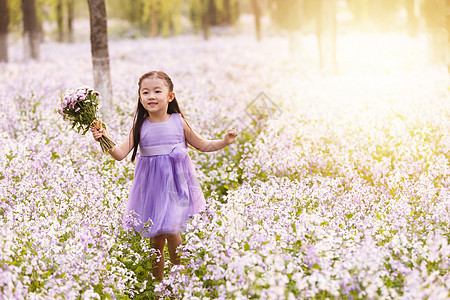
154	95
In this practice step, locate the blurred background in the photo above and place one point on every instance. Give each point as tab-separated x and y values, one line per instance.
67	21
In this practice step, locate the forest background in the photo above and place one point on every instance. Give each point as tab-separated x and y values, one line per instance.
338	184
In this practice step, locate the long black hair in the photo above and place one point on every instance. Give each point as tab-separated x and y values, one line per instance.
141	113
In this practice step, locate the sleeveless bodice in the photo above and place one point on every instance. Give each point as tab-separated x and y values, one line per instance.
160	138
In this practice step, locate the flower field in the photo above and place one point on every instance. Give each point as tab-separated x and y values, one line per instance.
345	194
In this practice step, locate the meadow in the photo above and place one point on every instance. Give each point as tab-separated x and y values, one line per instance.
343	194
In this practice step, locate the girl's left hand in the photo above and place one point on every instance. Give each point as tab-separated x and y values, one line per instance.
230	136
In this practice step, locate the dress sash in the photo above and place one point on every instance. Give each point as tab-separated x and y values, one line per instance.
159	149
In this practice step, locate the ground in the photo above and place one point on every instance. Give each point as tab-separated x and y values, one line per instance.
343	192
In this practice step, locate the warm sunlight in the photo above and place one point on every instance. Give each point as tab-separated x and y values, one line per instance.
224	149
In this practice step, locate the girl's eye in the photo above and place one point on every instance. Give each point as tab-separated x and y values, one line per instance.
158	91
144	93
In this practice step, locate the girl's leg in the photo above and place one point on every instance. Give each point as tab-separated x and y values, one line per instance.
173	241
158	266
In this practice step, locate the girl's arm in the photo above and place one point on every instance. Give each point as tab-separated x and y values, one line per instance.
203	145
117	152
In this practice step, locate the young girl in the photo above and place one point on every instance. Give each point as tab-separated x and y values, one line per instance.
165	191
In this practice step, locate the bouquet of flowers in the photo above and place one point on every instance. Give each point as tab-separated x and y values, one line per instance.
80	108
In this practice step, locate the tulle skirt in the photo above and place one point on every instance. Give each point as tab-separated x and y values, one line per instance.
165	194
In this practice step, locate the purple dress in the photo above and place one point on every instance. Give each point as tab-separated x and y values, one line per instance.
165	191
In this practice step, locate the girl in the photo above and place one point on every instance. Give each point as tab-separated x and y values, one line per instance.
165	192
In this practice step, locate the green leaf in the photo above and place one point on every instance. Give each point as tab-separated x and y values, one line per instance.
378	216
55	155
246	247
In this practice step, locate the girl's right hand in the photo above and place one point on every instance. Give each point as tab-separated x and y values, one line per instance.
97	133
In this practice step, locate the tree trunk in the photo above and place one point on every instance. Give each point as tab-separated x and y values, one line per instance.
100	54
154	24
60	20
434	12
326	31
205	5
213	14
413	22
257	12
447	26
227	12
4	21
32	34
70	13
154	29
